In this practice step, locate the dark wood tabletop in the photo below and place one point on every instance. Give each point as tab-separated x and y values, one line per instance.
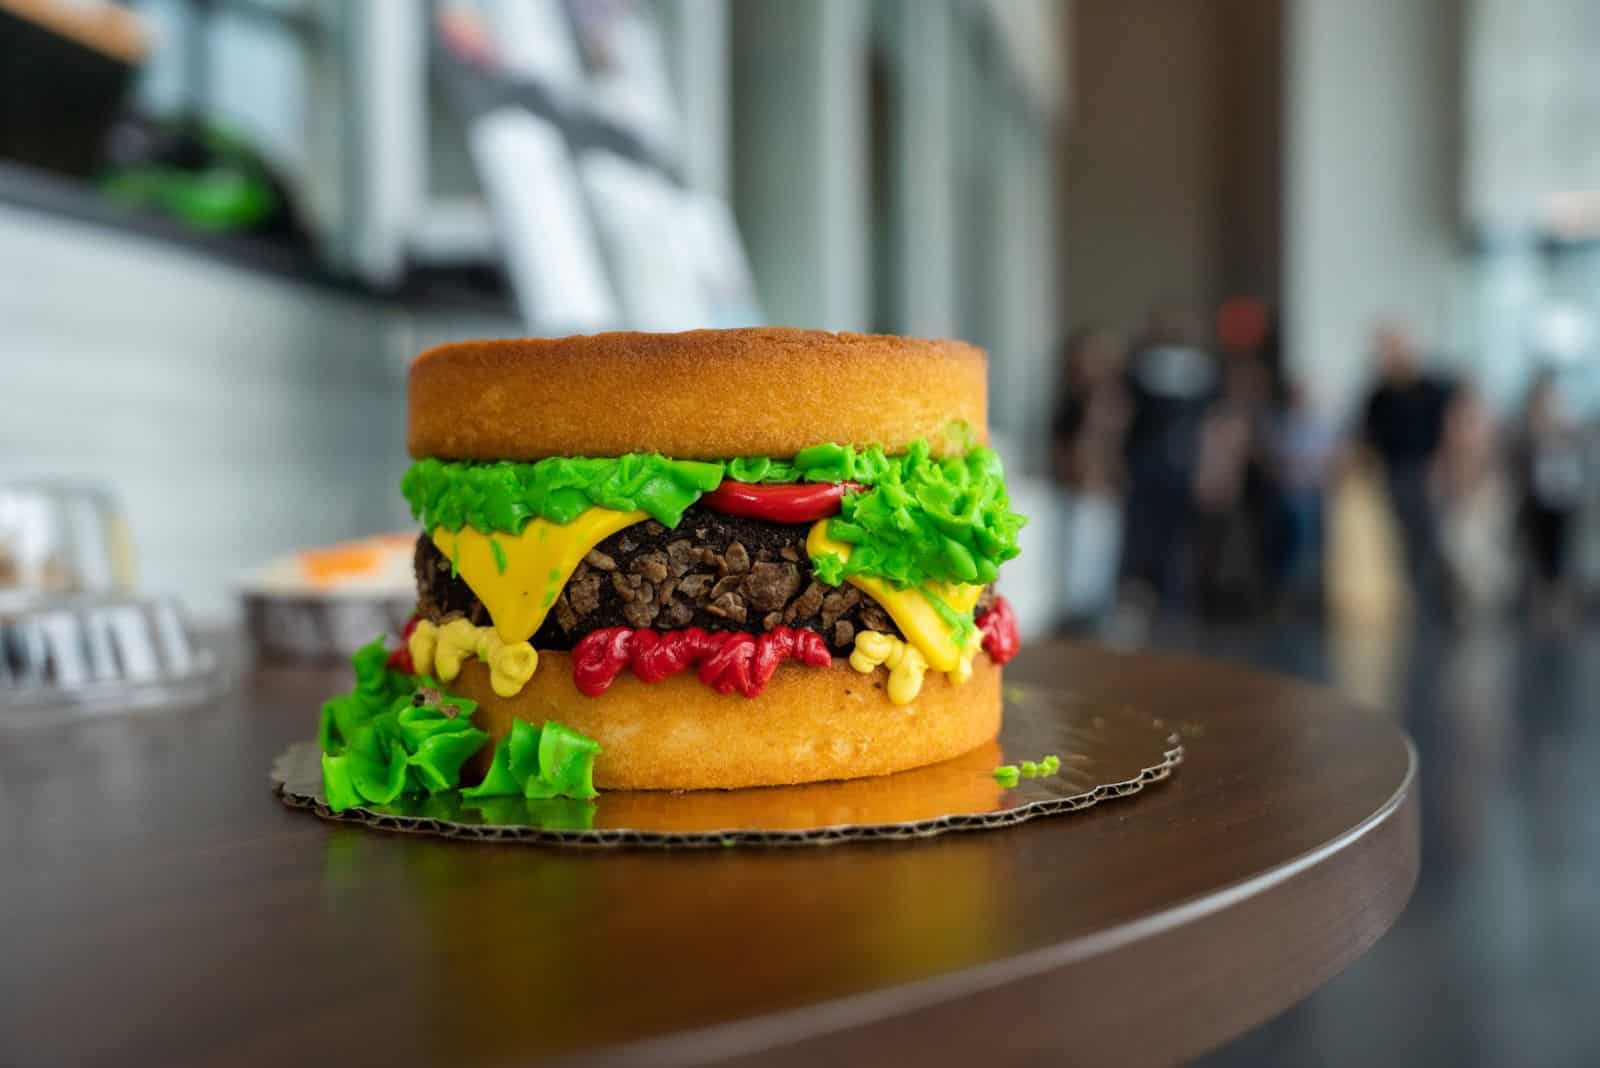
162	907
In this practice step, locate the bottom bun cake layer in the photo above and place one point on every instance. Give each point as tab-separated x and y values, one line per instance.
810	724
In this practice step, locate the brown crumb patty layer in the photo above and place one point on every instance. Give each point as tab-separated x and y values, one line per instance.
714	571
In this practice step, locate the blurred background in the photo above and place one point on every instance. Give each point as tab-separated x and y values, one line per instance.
1293	311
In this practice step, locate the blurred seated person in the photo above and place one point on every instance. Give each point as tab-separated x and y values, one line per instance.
1303	448
1550	469
1090	422
1091	414
1172	381
1229	572
1404	424
1476	511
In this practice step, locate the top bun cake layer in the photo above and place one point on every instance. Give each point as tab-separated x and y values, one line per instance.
700	395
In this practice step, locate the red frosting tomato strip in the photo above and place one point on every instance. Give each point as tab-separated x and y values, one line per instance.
999	628
798	503
730	661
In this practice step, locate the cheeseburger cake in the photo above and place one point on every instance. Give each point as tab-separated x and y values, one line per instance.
713	559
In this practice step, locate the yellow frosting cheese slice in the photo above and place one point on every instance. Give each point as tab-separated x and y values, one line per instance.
519	576
910	610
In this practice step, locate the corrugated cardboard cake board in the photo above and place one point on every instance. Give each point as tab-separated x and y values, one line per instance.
1106	753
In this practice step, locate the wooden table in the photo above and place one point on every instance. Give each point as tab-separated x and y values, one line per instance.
161	907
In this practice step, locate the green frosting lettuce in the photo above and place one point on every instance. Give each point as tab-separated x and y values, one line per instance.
819	463
396	735
829	567
960	624
761	469
540	763
1044	767
504	496
916	518
919	518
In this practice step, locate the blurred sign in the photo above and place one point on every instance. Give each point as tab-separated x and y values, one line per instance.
575	136
675	254
549	248
627	66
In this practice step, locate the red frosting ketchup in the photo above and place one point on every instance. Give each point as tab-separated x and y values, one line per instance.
797	503
728	661
999	628
400	659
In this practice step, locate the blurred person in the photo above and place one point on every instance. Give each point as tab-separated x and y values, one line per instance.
1226	553
1233	496
1247	329
1091	413
1475	511
1404	423
1274	532
1364	582
1171	381
1303	448
1243	325
1090	422
1551	477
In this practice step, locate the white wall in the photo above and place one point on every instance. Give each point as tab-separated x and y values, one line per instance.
1370	226
237	414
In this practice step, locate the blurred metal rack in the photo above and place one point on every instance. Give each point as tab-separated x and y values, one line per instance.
583	126
96	655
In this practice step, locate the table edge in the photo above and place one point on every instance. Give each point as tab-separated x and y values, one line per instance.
772	1035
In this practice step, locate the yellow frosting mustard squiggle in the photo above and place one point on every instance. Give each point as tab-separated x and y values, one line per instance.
906	665
437	650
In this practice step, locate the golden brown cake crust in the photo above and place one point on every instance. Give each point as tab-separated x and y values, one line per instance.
809	725
700	395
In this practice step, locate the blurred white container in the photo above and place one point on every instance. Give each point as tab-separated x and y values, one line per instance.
61	537
1032	582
